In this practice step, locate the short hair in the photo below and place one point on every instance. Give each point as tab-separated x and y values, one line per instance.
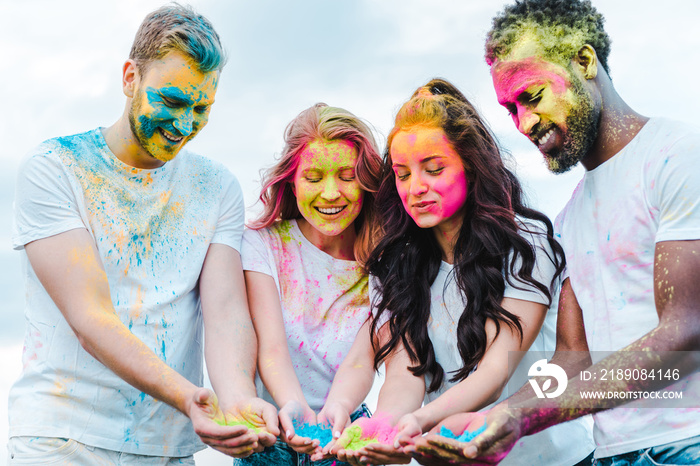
561	27
324	123
175	27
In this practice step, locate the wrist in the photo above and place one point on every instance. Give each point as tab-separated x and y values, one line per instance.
425	421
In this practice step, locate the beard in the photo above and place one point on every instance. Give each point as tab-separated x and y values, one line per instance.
138	131
144	130
581	133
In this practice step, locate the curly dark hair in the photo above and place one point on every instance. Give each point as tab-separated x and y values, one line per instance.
562	27
490	246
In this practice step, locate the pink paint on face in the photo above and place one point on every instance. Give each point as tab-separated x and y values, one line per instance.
549	103
430	178
532	89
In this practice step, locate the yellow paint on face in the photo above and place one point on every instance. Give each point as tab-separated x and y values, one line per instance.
170	105
547	103
328	194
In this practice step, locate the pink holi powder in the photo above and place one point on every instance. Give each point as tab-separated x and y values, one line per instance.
377	429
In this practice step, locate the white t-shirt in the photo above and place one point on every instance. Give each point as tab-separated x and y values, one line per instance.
324	303
152	229
559	445
647	193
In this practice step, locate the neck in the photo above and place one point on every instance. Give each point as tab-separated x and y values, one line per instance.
446	235
618	125
341	246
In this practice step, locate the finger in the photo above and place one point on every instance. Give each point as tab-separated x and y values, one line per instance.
237	435
385	458
238	452
444	443
303	443
270	418
286	427
433	450
240	441
339	423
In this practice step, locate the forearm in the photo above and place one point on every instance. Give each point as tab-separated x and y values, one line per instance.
480	389
351	384
107	339
278	374
69	268
573	361
230	362
400	395
664	340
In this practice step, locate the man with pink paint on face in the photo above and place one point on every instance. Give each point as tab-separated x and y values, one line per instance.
630	233
131	246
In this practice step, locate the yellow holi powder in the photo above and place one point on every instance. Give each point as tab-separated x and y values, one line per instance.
356	440
240	422
374	432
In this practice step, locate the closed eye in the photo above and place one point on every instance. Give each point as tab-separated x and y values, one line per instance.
171	103
536	97
402	176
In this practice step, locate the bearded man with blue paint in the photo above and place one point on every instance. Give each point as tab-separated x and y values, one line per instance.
631	235
131	250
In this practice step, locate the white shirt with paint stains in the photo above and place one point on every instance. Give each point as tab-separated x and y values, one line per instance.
152	228
324	303
647	193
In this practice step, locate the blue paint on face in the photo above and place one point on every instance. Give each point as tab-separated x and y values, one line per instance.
171	105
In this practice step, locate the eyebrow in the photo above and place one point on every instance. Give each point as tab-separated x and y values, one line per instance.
422	161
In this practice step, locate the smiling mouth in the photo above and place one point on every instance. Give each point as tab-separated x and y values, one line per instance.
170	137
330	210
541	141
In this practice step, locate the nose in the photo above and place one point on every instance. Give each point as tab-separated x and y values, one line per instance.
330	189
526	121
418	186
183	123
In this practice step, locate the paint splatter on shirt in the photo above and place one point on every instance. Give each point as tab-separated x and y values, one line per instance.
324	302
152	229
647	193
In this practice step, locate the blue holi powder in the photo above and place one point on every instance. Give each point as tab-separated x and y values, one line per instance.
466	436
314	431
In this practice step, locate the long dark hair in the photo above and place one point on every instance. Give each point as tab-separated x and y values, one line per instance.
487	251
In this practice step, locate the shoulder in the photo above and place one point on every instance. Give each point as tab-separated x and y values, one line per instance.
58	152
533	231
280	231
664	141
564	213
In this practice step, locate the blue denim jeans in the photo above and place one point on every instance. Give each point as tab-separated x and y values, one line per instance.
680	453
281	454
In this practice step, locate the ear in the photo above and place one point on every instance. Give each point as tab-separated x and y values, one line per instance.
587	61
130	75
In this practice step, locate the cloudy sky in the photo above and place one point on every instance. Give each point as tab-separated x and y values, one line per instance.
61	63
61	67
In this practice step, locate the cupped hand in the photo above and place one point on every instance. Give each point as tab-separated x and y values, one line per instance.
296	414
210	424
490	447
